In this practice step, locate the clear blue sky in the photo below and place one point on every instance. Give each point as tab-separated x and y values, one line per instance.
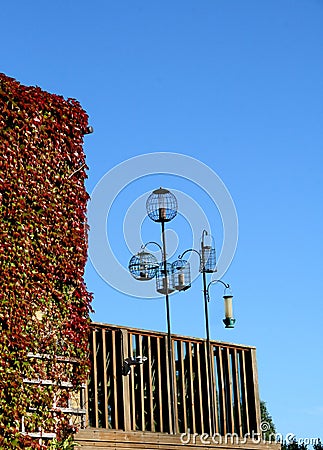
237	85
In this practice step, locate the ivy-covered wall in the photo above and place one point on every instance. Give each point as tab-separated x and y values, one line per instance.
44	303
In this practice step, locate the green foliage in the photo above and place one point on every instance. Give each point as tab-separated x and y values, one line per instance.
44	303
318	445
269	433
267	424
298	445
67	444
293	445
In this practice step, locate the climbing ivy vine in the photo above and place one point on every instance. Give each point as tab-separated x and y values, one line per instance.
44	303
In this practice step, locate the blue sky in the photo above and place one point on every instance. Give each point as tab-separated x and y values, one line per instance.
238	86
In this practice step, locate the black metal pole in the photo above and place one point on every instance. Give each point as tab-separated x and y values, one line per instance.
208	353
169	337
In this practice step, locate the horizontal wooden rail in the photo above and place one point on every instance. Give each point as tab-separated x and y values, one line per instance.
140	400
100	439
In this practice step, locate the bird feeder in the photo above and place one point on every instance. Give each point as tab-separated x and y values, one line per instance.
208	259
165	281
143	266
181	274
229	321
161	205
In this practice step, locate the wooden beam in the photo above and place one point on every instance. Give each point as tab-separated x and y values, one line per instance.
141	385
199	388
125	384
256	389
245	392
230	391
169	402
222	391
150	385
215	394
160	380
182	383
175	390
237	387
95	379
103	439
207	384
84	405
191	384
105	380
114	381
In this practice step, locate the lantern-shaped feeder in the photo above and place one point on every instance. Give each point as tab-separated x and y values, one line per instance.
165	282
208	259
143	266
161	205
229	321
182	274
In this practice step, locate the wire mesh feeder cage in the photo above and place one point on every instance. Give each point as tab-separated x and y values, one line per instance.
143	266
181	274
208	259
165	285
161	205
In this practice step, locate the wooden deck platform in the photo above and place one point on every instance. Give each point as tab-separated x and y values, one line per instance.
141	401
132	410
100	439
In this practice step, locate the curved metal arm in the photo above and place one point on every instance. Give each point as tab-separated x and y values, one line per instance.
205	233
152	242
226	286
190	250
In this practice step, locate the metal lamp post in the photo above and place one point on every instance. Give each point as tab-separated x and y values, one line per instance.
161	207
207	259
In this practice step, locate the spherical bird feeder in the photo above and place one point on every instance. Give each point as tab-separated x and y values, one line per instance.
161	205
143	266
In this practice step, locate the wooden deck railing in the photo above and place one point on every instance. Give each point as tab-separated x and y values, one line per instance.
141	400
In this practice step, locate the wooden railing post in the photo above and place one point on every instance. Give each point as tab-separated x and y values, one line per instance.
95	378
125	383
169	399
256	389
